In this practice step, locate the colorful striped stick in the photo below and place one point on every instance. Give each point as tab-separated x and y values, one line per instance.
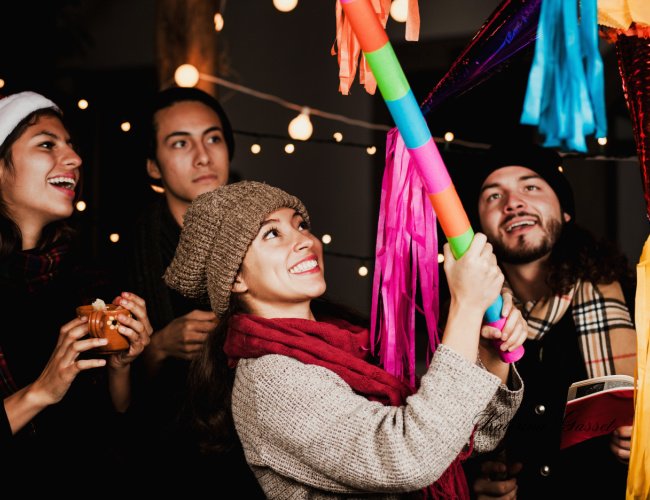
408	118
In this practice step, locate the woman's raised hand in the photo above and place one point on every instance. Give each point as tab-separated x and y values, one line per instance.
474	279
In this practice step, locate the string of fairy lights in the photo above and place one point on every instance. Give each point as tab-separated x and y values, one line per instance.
296	133
300	128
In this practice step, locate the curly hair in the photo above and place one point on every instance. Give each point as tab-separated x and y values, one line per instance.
578	254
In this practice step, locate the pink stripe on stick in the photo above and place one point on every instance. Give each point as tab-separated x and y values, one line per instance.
432	169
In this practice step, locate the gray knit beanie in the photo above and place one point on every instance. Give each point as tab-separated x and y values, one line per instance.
218	228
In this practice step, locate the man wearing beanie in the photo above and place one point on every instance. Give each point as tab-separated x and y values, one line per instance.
568	286
189	147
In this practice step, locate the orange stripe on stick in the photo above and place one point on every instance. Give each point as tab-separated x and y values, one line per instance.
371	36
450	212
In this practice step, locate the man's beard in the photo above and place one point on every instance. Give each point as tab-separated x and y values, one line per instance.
523	252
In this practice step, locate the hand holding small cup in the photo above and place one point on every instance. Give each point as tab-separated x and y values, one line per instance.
103	323
134	326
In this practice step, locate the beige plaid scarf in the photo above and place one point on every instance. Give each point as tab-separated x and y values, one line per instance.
605	330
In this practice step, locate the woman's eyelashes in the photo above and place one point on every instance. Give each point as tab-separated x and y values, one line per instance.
271	233
274	231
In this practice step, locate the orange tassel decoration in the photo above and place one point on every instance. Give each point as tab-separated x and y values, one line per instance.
349	50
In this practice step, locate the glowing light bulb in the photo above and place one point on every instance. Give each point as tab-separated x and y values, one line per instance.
157	189
363	271
449	136
114	237
289	148
371	150
186	75
2	83
338	136
256	148
441	258
399	10
81	205
326	238
125	126
560	168
218	21
602	141
300	128
82	103
285	5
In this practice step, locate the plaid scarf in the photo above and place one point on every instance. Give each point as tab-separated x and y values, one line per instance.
40	269
606	334
32	271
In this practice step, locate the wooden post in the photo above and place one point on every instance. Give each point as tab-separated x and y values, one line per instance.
185	34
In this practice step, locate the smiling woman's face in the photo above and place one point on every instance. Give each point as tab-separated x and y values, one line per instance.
283	268
40	188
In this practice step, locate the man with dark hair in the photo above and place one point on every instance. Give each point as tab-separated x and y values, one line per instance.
568	286
189	149
190	146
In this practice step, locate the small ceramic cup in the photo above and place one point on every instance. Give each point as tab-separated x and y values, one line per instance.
103	323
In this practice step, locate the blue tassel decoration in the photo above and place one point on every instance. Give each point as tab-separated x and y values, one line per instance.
565	97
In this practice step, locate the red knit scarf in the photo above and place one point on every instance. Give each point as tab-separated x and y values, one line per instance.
344	349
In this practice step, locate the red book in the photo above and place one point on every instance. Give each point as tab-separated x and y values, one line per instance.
597	406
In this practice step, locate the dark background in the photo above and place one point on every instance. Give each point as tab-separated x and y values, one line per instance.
105	52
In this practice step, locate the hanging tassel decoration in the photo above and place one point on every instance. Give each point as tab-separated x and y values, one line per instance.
349	53
565	96
406	254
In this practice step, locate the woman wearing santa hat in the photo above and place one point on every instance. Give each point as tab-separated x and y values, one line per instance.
61	400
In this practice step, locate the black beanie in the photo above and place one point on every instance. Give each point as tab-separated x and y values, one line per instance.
543	161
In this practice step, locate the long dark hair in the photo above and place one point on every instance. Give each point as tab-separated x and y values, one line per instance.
10	235
578	254
207	411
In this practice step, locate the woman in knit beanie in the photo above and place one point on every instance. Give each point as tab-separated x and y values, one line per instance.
316	418
56	409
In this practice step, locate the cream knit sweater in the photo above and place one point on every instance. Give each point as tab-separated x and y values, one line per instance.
306	434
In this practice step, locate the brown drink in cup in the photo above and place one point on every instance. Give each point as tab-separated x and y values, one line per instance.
103	323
